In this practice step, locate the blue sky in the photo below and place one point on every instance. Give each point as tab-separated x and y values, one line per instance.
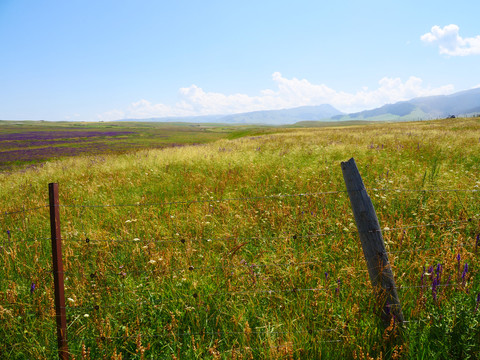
107	60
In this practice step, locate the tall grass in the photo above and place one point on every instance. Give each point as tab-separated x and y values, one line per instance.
156	267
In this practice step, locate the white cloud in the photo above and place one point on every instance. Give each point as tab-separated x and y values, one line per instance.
288	93
72	117
450	42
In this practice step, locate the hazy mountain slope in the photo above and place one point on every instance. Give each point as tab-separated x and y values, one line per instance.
285	116
423	108
270	117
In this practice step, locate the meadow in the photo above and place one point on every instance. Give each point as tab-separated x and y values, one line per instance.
244	245
31	143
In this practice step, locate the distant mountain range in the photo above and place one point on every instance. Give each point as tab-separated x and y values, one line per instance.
464	103
267	117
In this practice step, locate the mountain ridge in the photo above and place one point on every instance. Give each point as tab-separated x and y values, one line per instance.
462	103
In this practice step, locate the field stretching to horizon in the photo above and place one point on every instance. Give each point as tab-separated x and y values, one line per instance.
240	243
31	143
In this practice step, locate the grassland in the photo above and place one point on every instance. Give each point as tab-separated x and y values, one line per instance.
245	248
32	143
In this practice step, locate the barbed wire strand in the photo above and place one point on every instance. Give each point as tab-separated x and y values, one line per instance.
462	245
23	210
195	296
273	196
422	190
332	192
294	236
424	225
208	239
124	271
187	202
203	333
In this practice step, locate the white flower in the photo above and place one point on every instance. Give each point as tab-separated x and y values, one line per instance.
86	315
71	300
136	239
152	261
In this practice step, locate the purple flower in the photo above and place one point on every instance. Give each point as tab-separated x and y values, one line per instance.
465	270
8	234
430	272
438	271
32	288
458	259
434	289
326	275
478	301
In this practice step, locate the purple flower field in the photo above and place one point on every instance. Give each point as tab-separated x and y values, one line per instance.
39	146
31	143
59	134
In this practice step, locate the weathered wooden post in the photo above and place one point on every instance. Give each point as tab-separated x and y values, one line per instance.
58	271
373	246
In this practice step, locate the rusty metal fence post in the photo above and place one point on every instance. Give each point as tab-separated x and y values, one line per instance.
370	234
58	271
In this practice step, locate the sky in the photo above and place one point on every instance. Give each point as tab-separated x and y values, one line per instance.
115	59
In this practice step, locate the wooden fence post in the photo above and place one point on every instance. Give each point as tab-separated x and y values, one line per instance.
373	246
58	271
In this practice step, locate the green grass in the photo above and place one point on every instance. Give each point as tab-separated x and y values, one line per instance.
136	268
15	154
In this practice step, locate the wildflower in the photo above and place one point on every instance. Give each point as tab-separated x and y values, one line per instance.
32	288
86	315
71	300
8	234
478	301
434	289
429	271
464	273
438	271
326	275
152	261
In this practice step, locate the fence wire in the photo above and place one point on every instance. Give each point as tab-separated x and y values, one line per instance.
197	294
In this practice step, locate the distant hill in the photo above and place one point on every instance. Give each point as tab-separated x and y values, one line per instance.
463	103
285	116
267	117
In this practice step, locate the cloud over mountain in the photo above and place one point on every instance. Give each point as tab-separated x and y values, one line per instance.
450	42
288	93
